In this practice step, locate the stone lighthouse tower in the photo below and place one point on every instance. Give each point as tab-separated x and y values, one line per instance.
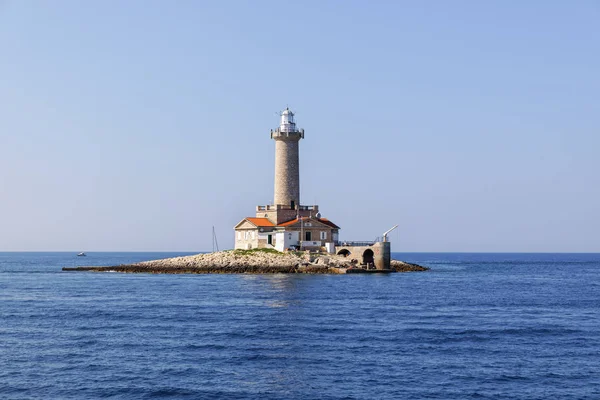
287	167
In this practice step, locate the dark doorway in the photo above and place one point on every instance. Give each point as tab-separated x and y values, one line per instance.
308	236
368	259
270	239
344	253
293	205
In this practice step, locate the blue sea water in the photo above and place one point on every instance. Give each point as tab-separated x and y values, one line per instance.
481	326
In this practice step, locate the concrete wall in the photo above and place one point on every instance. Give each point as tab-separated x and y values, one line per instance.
381	253
263	240
285	240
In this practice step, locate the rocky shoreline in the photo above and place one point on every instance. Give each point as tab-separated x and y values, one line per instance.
257	261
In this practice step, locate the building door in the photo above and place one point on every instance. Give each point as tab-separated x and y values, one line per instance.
270	239
368	259
308	236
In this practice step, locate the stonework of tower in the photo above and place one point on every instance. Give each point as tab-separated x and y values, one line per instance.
287	165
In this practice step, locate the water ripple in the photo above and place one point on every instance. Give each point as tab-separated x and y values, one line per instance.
476	326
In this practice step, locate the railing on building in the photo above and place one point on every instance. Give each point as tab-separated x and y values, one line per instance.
287	133
343	243
286	207
309	243
274	207
308	208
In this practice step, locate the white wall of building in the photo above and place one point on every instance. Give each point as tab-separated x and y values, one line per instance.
284	240
246	239
330	247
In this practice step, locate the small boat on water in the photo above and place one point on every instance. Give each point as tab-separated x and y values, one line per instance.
81	254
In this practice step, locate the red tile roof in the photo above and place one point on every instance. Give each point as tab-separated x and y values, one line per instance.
321	220
288	223
328	222
260	221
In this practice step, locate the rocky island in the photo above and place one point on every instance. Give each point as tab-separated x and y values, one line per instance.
255	261
283	236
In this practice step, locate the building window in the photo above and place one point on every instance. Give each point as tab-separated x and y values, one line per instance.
323	235
239	235
253	233
308	236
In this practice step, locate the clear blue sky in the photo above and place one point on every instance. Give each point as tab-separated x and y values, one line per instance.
139	125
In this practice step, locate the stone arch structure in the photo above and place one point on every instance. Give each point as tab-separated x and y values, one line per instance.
379	253
344	253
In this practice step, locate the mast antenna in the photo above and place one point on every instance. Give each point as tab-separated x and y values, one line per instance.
215	244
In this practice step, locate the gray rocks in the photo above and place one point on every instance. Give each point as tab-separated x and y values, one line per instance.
401	266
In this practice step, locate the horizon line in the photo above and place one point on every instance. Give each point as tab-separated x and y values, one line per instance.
208	251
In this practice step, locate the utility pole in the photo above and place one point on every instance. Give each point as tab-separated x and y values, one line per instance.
301	232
